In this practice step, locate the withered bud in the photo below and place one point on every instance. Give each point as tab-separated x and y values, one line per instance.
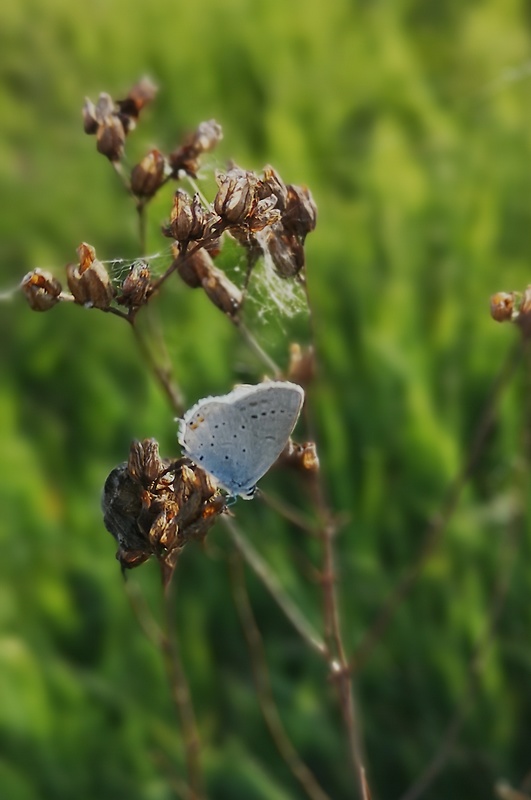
286	251
302	367
300	216
198	270
235	199
206	136
222	292
186	157
104	120
502	306
187	218
302	457
136	288
264	214
149	175
154	506
89	281
139	96
272	183
41	289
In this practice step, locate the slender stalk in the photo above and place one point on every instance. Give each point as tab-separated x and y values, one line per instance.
165	640
163	376
264	690
182	697
142	226
336	654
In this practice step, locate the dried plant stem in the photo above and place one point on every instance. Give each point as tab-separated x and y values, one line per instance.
181	696
263	685
337	660
338	663
166	642
268	579
438	525
162	374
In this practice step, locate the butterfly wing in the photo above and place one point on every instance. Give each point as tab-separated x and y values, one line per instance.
237	437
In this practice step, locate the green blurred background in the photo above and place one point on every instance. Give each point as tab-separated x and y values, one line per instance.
411	123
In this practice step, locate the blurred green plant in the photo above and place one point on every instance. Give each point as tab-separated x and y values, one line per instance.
414	138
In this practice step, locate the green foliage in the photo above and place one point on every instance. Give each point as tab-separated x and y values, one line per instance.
410	122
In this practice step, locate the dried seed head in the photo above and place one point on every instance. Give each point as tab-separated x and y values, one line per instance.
300	216
502	306
286	251
111	122
187	219
264	214
198	270
104	120
203	139
236	196
41	289
272	184
154	506
89	281
136	288
302	457
149	175
139	96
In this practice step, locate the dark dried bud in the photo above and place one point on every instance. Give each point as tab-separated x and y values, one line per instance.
154	506
272	184
203	139
187	218
235	199
502	306
41	289
302	457
264	215
198	270
300	216
149	175
286	251
103	120
139	96
136	288
206	136
89	281
222	292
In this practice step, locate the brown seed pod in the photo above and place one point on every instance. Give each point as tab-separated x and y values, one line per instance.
41	289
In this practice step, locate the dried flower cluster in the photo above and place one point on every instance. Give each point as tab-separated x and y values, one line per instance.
262	213
154	506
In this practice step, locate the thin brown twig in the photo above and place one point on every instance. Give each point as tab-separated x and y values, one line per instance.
337	660
182	697
165	641
162	374
437	526
264	690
